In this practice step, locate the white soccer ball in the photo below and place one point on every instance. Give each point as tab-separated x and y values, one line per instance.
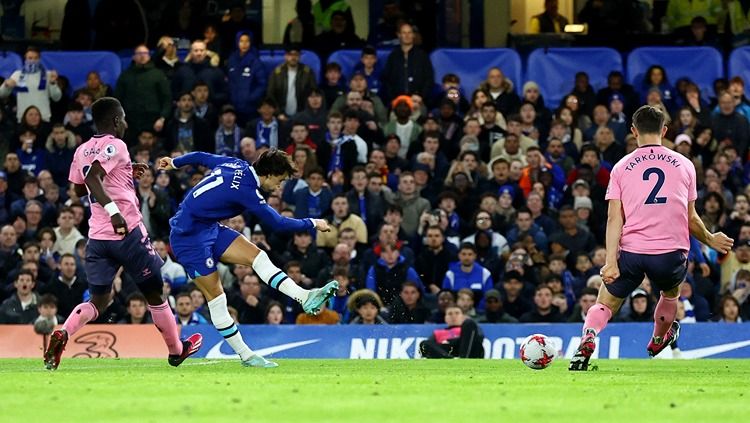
537	352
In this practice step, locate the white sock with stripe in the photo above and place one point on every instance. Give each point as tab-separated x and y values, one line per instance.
224	323
277	279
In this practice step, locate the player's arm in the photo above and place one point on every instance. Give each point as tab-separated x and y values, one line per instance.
718	241
80	190
615	222
93	181
269	216
195	158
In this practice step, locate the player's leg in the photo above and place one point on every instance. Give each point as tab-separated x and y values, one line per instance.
144	266
100	269
610	299
242	251
210	286
667	272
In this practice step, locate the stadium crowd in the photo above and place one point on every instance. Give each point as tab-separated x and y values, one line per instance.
437	194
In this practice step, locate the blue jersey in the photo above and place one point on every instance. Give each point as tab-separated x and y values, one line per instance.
230	189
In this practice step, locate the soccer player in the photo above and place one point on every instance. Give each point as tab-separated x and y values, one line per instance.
651	195
101	168
199	241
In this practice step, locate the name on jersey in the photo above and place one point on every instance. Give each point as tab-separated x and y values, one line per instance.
236	179
636	160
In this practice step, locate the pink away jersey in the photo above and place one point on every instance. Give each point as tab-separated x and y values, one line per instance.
112	154
655	185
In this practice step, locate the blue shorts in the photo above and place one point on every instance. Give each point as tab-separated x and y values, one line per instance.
200	249
134	252
665	271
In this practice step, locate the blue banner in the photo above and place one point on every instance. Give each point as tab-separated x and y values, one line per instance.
619	340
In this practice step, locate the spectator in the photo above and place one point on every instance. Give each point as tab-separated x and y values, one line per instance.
501	92
66	234
366	305
408	307
314	116
410	203
213	46
390	272
640	307
61	144
155	206
616	86
235	21
274	314
315	200
144	93
544	311
370	69
407	130
290	83
323	12
249	300
33	157
737	259
21	308
461	339
339	301
301	29
548	21
340	36
311	259
166	59
573	238
137	312
47	310
34	86
10	256
370	206
33	217
680	13
199	69
515	303
466	273
172	272
351	126
66	285
609	149
185	311
729	126
247	78
228	136
75	122
494	312
483	224
729	310
340	219
408	69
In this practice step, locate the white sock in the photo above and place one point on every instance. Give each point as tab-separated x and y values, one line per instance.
225	325
276	278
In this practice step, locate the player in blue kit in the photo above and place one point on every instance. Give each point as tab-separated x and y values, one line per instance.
199	241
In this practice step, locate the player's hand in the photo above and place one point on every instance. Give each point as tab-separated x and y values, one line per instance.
609	273
321	225
139	169
119	224
720	242
165	163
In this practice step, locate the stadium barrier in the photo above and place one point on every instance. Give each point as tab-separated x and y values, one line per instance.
628	340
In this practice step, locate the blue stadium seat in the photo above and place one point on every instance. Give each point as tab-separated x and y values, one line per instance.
9	62
75	65
348	59
701	64
273	58
472	65
739	64
554	69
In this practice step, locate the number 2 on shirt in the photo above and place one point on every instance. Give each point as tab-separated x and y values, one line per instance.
652	197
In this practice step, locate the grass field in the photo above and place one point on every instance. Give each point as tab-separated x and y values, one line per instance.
128	390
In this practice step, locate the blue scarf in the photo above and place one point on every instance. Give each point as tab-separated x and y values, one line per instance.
336	162
267	135
222	148
29	68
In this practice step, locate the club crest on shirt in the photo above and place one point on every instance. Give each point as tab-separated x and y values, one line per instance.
209	262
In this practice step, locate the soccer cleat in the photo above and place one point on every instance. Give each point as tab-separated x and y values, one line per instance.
52	355
258	361
319	296
190	346
580	361
654	348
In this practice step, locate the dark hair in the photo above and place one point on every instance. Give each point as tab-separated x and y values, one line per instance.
136	296
524	209
316	171
435	228
33	49
468	246
340	195
340	271
648	120
274	162
271	305
363	300
182	294
269	102
67	255
292	263
351	114
26	272
394	208
410	283
105	110
489	104
588	291
589	147
46	231
332	66
369	50
199	83
48	299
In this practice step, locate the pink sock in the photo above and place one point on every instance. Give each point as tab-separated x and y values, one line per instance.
165	322
664	314
82	314
597	318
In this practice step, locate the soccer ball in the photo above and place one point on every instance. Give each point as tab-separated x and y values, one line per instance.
537	352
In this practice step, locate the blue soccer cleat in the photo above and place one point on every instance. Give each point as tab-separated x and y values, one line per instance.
258	361
319	296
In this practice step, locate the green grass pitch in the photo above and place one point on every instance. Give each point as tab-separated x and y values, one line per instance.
129	390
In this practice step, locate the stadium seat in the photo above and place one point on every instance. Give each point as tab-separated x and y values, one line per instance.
348	59
739	64
702	65
76	65
472	65
273	58
9	62
554	69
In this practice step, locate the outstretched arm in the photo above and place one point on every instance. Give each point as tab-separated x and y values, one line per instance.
718	241
271	217
195	158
